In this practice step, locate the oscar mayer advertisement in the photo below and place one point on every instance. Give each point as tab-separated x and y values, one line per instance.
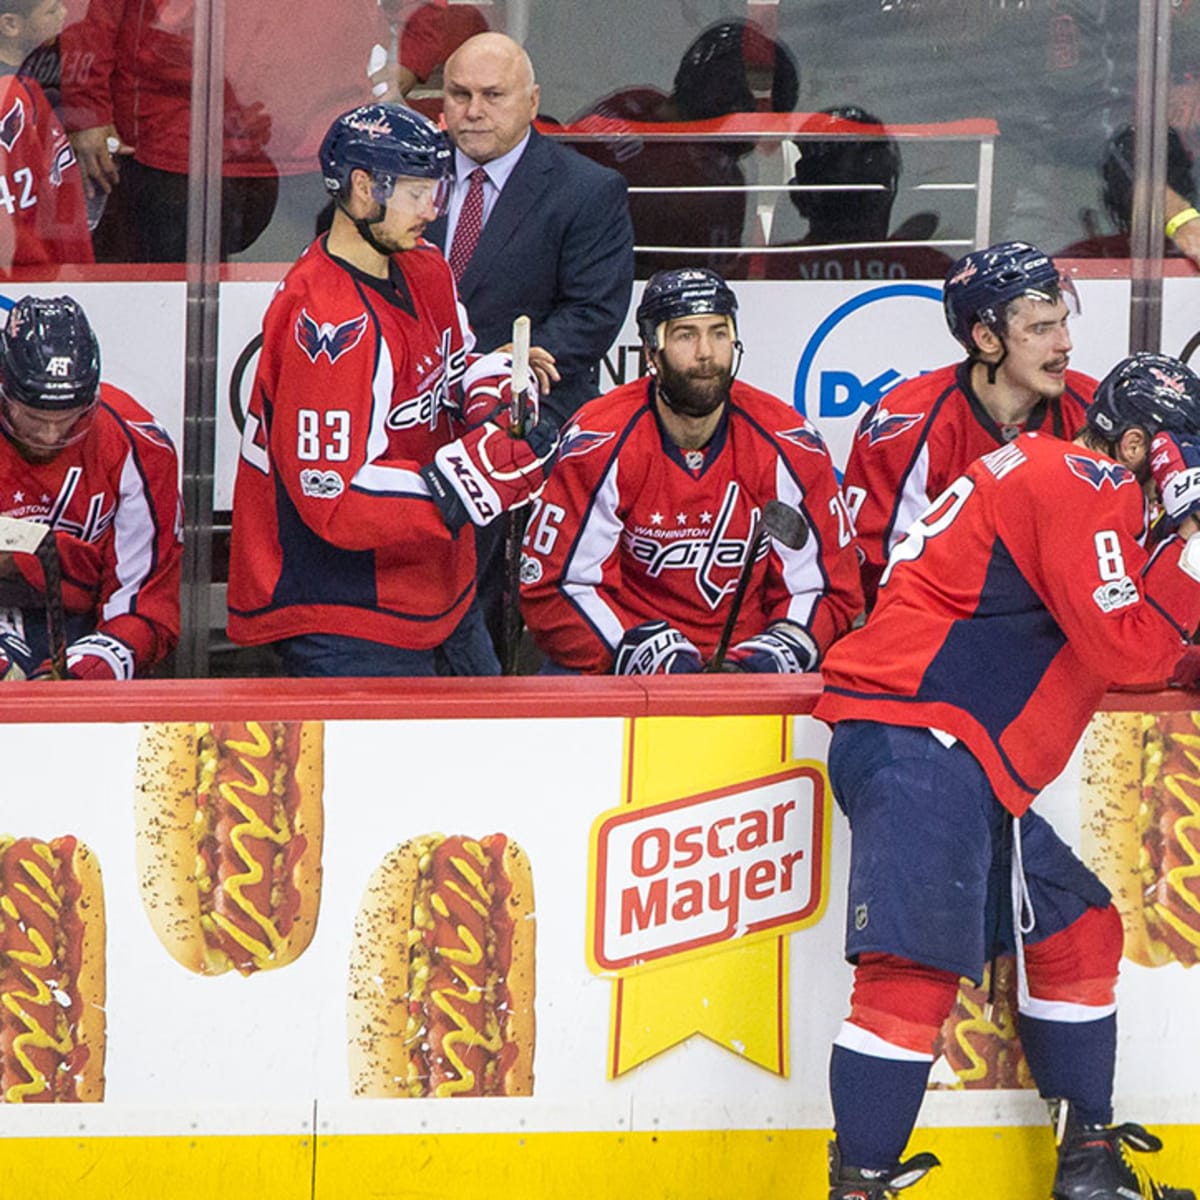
583	924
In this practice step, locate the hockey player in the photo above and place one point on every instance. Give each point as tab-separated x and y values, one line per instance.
43	217
356	475
84	458
633	552
1009	307
1013	602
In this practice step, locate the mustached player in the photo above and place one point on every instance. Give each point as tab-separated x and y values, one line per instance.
1008	305
86	459
1008	609
370	444
632	554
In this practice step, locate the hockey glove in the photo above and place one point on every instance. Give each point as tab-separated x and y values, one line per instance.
781	649
487	392
486	472
656	648
96	656
1175	465
16	659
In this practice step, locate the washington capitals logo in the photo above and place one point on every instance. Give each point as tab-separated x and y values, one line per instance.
64	157
153	432
331	340
879	425
373	127
1099	473
805	438
968	272
12	124
578	442
1173	383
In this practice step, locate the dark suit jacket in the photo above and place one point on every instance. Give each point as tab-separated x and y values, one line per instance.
557	245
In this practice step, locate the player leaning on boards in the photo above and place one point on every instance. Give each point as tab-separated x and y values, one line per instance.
370	444
633	553
1008	306
1012	604
86	459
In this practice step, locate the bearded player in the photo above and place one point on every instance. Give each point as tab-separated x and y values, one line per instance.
371	444
632	555
86	459
1011	605
1009	307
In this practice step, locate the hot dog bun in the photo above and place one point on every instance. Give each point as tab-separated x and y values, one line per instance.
441	992
229	829
1140	803
52	975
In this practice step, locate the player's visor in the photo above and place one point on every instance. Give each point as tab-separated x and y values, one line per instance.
414	191
1066	293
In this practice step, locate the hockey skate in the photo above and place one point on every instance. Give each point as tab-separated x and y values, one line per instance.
1094	1163
854	1183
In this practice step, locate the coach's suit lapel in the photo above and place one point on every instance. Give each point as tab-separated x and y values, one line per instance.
529	179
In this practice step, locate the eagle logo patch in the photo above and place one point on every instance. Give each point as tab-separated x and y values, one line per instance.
882	426
1099	473
326	338
12	124
578	442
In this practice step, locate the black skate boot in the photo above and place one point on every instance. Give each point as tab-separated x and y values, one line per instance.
854	1183
1094	1162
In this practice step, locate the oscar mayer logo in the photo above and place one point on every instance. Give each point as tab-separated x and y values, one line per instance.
706	870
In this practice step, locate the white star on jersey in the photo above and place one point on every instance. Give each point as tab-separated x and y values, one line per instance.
681	518
706	518
656	518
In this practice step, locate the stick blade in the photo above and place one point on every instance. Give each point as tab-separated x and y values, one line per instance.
785	524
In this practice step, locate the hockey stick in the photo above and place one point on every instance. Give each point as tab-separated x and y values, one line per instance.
29	537
779	521
514	527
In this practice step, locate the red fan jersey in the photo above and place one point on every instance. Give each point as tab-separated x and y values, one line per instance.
630	528
1011	605
334	530
922	435
43	219
113	500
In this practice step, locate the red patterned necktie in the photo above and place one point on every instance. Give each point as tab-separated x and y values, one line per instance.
470	222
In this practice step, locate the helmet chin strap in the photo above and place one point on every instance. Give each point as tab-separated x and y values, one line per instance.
363	225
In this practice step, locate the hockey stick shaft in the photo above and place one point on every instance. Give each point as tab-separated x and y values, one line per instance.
757	533
514	527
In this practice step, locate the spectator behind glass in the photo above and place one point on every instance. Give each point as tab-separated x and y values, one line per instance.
427	33
43	222
725	70
132	81
1116	174
840	218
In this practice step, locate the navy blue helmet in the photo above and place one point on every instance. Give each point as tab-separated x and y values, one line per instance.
683	292
1146	391
983	283
387	141
49	356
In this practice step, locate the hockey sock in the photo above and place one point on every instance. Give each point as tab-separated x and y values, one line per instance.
1073	1061
881	1057
1068	1024
875	1105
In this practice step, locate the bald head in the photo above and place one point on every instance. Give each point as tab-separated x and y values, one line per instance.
490	95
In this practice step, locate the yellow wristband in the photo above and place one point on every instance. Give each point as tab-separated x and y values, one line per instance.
1180	219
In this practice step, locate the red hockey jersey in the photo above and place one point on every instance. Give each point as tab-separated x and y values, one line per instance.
630	528
334	530
43	219
1019	596
113	500
918	438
